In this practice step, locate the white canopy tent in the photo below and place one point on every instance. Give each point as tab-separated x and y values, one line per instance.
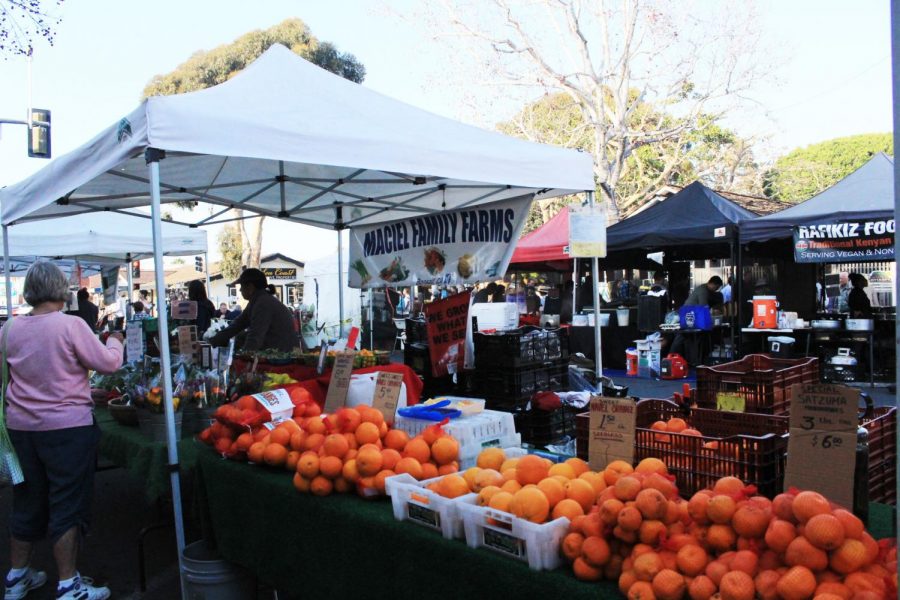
320	283
287	139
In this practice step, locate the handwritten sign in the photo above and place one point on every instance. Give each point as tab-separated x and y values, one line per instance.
587	230
186	310
387	394
446	328
611	435
822	443
339	385
187	341
731	402
134	340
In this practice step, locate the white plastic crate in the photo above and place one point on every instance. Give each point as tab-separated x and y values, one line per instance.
502	532
412	501
489	428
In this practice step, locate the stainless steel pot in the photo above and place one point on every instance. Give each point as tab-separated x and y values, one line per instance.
860	324
831	324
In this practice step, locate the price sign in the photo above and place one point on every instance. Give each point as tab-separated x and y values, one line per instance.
187	341
134	340
339	385
185	310
822	442
730	402
611	435
387	394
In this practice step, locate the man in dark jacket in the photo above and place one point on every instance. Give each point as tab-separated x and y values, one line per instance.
267	324
87	310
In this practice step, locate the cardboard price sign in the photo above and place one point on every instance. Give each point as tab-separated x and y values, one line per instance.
611	435
730	402
134	341
822	442
339	385
387	394
187	341
185	310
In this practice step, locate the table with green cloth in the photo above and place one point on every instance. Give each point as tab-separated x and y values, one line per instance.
147	460
341	546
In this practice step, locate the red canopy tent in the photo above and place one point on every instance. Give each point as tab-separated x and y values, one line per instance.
546	247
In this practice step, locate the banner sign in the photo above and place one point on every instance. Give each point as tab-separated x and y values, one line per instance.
109	281
279	273
587	231
853	241
446	328
447	248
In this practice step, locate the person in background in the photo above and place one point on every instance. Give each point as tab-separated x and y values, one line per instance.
270	289
840	303
499	294
206	310
235	311
566	303
267	324
857	300
486	293
52	428
403	303
726	290
223	311
87	310
702	294
140	311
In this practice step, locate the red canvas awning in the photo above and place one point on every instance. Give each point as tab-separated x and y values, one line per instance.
546	243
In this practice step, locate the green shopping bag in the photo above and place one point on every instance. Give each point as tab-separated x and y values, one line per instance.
10	469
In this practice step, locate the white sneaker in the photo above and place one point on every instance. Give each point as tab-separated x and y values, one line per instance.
83	589
19	587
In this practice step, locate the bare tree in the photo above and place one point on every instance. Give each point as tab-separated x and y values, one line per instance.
21	21
622	63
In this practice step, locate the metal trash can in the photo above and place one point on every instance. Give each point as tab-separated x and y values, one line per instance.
208	577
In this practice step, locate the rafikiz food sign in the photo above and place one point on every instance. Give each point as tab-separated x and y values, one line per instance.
444	248
853	241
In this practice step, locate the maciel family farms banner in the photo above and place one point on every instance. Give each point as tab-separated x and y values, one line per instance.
447	248
853	241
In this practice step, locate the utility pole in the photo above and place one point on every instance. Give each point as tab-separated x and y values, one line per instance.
37	120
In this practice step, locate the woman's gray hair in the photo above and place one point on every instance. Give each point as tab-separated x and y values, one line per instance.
45	282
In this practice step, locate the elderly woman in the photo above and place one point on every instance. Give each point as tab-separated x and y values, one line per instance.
53	431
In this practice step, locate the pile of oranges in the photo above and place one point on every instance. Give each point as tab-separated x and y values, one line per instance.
724	542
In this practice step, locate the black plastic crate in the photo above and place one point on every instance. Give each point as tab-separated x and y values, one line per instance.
521	347
416	332
512	388
415	356
540	427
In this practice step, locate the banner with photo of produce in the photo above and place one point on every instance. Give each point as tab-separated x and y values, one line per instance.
457	247
853	241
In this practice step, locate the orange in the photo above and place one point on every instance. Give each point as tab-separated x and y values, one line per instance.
244	441
798	583
453	486
335	445
578	466
571	545
651	465
691	559
627	488
652	503
616	469
308	465
567	508
509	463
372	415
554	491
585	571
341	485
314	441
531	469
698	506
562	469
871	546
581	492
449	468
255	453
530	504
349	470
824	531
835	588
750	521
850	556
737	585
597	481
780	534
312	410
369	461
445	450
641	590
669	585
408	465
485	495
652	532
509	474
330	467
491	458
429	471
290	462
512	486
485	478
275	455
720	509
655	481
701	588
730	486
658	437
746	561
801	553
676	425
596	551
647	565
853	526
716	570
432	433
321	486
501	501
389	458
783	507
298	440
765	583
721	537
396	439
316	425
301	483
347	420
469	475
418	449
806	505
864	583
629	518
367	433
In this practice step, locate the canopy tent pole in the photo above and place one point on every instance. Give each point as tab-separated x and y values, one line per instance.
595	276
129	311
895	79
153	157
6	267
340	286
371	322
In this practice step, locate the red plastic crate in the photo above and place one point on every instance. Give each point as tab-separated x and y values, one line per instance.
881	423
762	381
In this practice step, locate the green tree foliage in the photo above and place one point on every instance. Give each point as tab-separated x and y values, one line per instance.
805	172
208	68
230	249
709	152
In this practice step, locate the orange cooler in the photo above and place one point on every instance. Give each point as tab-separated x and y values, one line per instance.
765	312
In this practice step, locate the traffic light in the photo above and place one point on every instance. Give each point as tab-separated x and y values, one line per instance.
39	134
136	269
198	263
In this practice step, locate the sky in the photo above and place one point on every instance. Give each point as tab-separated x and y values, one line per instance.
832	77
